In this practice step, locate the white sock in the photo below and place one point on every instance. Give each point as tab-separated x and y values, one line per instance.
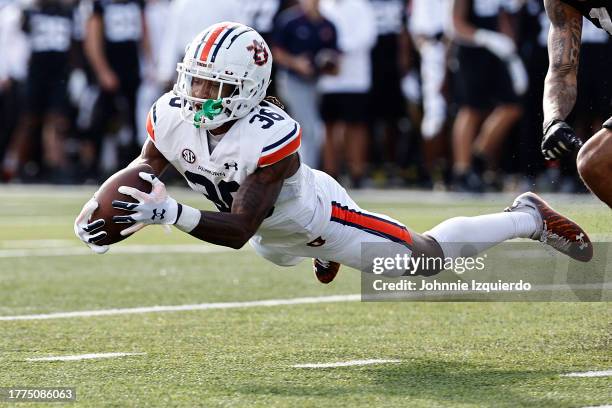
481	232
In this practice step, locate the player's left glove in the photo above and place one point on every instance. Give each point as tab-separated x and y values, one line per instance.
89	231
559	140
156	207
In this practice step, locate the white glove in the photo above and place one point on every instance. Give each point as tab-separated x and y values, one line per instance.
499	44
86	230
518	74
154	208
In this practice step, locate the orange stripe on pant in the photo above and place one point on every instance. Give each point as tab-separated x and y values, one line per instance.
211	40
372	223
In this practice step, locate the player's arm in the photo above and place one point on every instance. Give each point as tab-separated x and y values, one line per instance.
252	204
94	50
561	85
151	156
465	32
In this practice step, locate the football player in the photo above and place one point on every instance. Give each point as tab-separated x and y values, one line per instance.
560	89
240	149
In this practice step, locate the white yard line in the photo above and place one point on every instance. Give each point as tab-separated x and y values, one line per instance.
128	249
182	308
346	363
36	243
599	406
84	357
605	373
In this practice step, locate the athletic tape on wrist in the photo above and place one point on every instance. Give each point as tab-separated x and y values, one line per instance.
187	218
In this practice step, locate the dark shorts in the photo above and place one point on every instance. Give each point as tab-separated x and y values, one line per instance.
46	90
344	107
482	80
386	98
594	81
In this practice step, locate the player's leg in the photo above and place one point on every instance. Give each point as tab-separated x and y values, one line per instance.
277	257
528	217
595	163
500	121
495	128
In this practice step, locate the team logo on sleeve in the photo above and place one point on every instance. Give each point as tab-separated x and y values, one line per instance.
260	53
189	156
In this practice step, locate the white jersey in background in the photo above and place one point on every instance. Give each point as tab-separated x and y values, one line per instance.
185	19
357	33
428	18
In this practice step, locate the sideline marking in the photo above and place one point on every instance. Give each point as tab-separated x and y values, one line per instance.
605	373
128	249
84	357
180	308
346	363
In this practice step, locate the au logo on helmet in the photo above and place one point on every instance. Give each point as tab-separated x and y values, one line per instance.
260	53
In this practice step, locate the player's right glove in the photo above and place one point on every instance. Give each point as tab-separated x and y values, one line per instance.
559	140
88	232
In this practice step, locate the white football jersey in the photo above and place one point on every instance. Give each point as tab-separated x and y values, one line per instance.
263	137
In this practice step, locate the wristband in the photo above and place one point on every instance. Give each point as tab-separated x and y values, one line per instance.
546	127
187	218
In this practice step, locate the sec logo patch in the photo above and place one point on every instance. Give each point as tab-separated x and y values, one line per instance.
189	156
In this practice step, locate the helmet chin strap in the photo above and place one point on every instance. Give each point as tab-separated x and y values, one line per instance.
210	109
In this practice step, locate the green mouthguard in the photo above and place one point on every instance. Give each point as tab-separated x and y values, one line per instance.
210	109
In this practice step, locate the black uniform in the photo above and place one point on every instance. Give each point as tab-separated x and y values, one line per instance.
599	12
49	28
482	80
123	32
386	76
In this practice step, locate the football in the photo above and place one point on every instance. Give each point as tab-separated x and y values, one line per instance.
108	192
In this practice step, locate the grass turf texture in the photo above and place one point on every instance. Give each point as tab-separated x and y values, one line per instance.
453	354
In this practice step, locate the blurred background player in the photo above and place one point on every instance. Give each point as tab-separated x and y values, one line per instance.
560	91
344	95
487	94
387	107
304	47
115	34
48	26
182	24
261	15
14	51
426	25
533	30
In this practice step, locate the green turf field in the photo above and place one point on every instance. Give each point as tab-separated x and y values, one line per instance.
451	354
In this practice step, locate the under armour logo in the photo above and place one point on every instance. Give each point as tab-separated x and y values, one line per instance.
581	241
231	164
155	214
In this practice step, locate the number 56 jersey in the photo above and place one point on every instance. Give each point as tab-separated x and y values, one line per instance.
263	137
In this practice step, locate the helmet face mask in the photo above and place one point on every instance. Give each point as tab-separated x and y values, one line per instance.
237	67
